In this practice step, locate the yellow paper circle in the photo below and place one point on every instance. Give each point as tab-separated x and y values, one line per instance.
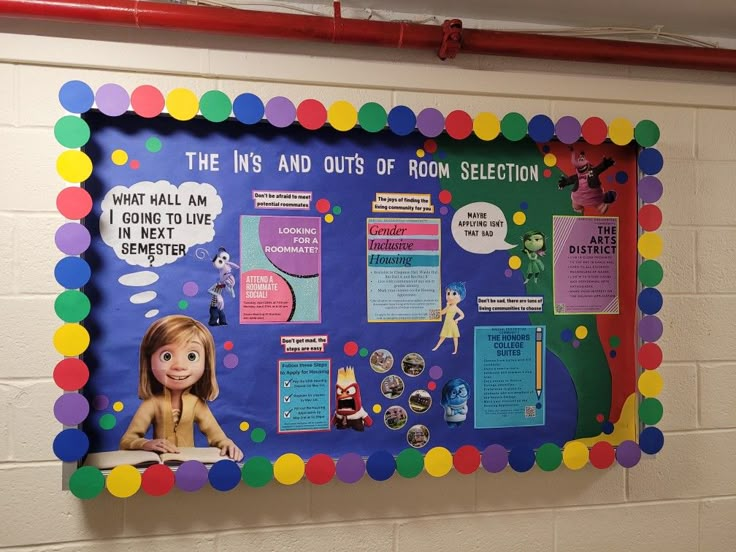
288	469
581	332
74	166
123	481
420	153
71	340
550	159
621	131
119	157
575	455
486	126
376	408
342	115
329	217
650	383
117	406
519	218
514	262
182	104
650	245
244	426
438	462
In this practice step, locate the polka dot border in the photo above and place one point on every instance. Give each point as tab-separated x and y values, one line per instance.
147	101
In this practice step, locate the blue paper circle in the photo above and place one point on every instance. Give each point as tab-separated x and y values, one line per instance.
76	96
607	427
70	445
72	272
541	128
650	301
622	177
650	161
651	440
380	465
224	475
248	109
566	335
521	459
401	120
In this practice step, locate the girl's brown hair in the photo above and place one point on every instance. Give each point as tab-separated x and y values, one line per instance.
177	329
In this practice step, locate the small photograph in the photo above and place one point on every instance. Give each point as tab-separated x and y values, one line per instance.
417	436
412	364
420	401
381	361
392	387
395	417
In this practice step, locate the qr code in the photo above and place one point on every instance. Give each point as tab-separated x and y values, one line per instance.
560	307
530	411
434	314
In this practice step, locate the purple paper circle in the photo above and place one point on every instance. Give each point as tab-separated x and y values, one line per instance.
112	99
230	360
443	210
508	273
190	289
650	189
650	328
495	458
71	409
350	468
567	130
279	235
628	454
100	402
575	343
280	112
72	238
435	372
430	122
191	476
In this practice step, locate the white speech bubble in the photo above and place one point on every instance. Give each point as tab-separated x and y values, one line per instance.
480	228
155	223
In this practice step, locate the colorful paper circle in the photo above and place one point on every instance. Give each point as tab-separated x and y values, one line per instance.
495	458
74	202
430	122
71	445
650	356
215	106
280	112
224	475
650	301
602	455
350	468
191	476
621	131
646	133
401	120
438	462
257	472
380	465
342	116
650	383
650	217
541	128
71	409
409	463
320	469
650	273
650	245
158	480
650	328
147	101
72	272
311	114
76	96
74	166
112	99
459	124
521	459
513	126
71	131
628	454
575	455
71	340
248	109
123	481
568	129
466	459
650	161
486	126
651	440
650	411
549	457
72	238
71	374
594	130
182	104
72	306
650	189
288	469
372	117
86	482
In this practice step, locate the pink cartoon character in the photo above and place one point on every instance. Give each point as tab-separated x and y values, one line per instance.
586	184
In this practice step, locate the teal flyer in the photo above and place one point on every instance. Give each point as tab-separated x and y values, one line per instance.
304	395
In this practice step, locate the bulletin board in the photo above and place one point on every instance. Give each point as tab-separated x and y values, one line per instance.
366	292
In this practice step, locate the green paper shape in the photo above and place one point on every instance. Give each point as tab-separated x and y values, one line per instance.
108	421
513	126
650	273
87	482
336	210
549	457
215	106
71	132
650	411
372	117
72	306
257	472
614	341
409	463
646	133
258	435
153	144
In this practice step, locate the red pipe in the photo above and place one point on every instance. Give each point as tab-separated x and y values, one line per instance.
204	19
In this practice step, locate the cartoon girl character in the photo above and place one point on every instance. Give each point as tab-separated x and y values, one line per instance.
586	184
535	246
177	378
226	281
455	396
454	293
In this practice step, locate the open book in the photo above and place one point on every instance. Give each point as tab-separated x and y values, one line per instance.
144	458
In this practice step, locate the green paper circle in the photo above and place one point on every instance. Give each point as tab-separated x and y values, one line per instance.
258	435
215	106
372	117
650	273
183	304
153	144
108	421
513	126
86	482
363	352
650	411
614	341
549	457
409	463
336	210
71	131
646	133
72	306
257	472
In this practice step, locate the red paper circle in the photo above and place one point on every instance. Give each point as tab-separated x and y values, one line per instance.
157	480
147	101
74	202
650	217
466	459
311	114
594	130
602	455
459	125
320	469
650	356
71	374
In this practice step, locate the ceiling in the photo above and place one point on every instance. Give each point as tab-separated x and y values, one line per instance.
707	18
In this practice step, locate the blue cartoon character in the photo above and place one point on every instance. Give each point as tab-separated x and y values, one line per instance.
534	246
454	293
455	397
586	184
226	282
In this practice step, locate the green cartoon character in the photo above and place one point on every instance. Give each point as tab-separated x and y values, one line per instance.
535	247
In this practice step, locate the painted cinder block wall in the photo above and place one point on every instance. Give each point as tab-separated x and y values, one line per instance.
682	500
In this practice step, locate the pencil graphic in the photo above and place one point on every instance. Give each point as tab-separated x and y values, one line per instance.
538	359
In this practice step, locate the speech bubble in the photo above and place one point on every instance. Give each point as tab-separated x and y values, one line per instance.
153	224
480	228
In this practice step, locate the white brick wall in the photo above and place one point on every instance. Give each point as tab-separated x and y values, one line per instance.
684	500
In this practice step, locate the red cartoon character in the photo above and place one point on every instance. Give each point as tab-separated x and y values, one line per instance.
349	412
